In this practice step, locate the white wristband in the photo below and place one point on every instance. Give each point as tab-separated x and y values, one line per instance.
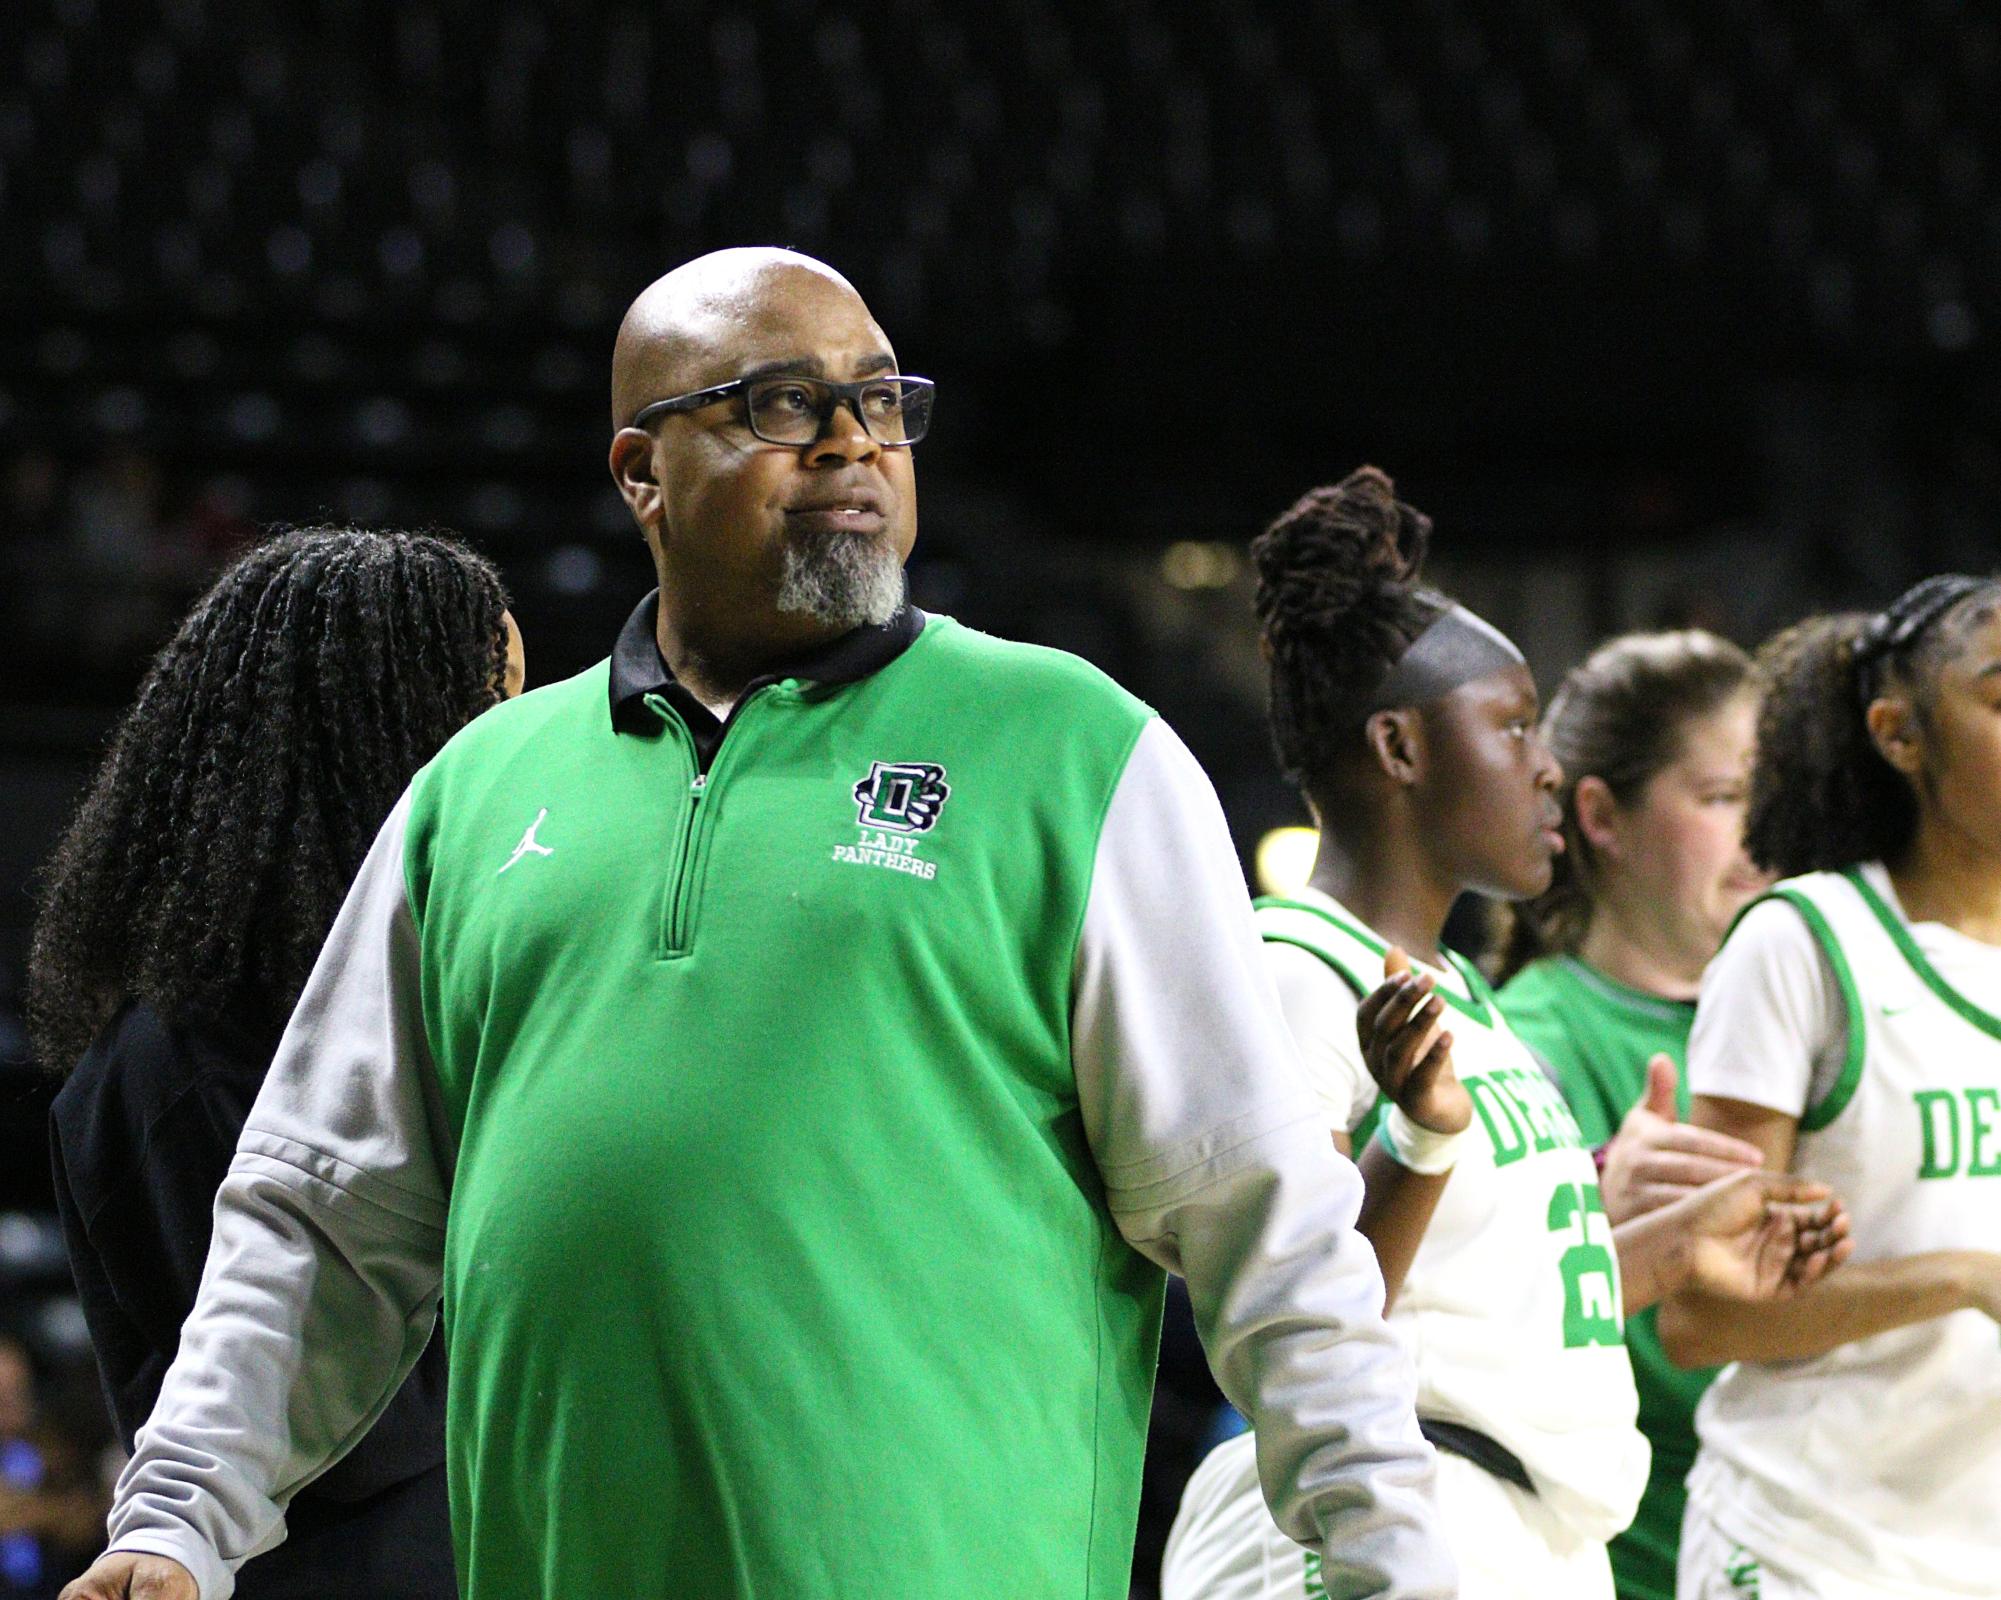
1417	1147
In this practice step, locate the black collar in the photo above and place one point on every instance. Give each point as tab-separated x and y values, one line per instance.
638	670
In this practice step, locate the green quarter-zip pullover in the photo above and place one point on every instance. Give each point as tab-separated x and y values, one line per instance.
794	1118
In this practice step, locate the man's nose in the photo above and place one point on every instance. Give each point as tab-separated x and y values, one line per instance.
842	439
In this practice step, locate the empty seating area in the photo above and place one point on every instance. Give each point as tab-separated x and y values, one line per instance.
364	259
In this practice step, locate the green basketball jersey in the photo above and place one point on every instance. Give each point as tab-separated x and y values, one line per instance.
1597	1035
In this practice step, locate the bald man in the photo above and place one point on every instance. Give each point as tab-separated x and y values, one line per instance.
792	1052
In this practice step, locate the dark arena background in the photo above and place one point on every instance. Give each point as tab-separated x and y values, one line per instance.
1665	311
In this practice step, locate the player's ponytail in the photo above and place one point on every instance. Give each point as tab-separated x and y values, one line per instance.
1622	716
1338	601
1822	796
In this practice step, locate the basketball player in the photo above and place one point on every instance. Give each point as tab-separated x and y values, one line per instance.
1410	725
1851	1027
1654	732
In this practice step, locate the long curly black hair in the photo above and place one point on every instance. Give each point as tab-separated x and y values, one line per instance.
1338	603
1822	796
269	740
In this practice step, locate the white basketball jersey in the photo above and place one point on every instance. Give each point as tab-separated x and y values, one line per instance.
1882	1459
1511	1307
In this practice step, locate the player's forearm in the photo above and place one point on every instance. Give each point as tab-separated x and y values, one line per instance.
1653	1257
1858	1301
1397	1206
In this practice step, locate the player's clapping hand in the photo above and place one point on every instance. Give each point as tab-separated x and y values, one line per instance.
1401	1028
1655	1159
123	1575
1758	1235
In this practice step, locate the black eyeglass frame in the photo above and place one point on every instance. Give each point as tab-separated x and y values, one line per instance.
848	394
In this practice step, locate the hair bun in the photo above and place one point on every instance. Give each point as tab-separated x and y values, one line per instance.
1338	602
1339	548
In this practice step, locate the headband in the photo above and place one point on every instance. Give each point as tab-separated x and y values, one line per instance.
1905	620
1455	647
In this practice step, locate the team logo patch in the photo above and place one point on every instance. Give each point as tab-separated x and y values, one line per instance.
894	805
903	796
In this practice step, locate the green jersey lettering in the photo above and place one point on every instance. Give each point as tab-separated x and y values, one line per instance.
1495	1112
1983	1116
1590	1300
1938	1115
1743	1572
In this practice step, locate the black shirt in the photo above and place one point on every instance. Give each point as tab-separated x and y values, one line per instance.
141	1135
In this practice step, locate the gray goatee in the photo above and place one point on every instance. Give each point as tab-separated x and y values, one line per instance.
841	579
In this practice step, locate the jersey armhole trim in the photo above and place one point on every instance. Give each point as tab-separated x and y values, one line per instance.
1920	963
1365	1130
1830	1105
1480	1006
1339	970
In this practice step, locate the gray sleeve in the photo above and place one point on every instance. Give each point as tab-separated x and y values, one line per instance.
321	1287
1218	1165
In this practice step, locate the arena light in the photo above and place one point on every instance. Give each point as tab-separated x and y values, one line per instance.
1198	564
1284	860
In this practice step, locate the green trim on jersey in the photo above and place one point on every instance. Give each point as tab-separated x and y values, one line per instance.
1900	935
1676	1014
775	1233
1479	1001
1340	968
1830	1105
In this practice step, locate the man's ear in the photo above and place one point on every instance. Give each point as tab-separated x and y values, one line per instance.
632	471
1396	740
1893	726
1597	815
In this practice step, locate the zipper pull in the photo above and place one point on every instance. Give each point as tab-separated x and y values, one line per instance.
697	784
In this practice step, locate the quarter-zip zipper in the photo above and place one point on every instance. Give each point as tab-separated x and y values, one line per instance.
683	888
678	934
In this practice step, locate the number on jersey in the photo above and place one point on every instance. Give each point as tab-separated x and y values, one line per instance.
1590	1281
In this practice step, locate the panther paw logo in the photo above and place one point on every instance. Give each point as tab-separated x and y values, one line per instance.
902	796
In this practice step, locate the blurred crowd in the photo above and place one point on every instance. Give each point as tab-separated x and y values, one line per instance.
56	1467
101	555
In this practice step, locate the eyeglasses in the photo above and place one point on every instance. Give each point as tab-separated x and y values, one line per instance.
795	411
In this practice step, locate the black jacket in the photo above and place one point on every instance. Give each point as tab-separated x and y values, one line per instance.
141	1136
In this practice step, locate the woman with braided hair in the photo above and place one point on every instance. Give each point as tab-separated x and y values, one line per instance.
1410	725
182	913
1851	1029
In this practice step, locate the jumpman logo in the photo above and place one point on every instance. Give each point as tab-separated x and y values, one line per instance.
529	844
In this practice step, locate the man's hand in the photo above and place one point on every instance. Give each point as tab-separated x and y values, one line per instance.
1758	1236
124	1575
1407	1051
1654	1160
